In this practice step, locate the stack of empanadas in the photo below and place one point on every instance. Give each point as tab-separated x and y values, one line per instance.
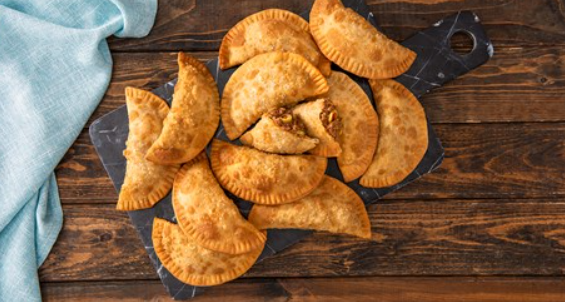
160	140
146	182
212	243
291	113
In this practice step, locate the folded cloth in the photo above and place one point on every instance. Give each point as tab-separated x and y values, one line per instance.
55	66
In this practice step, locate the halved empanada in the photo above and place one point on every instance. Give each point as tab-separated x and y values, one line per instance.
267	31
265	178
194	115
279	131
403	135
322	122
207	215
332	207
351	42
266	82
360	125
145	182
193	264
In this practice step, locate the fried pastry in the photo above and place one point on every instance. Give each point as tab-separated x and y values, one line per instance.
351	42
279	131
193	264
193	118
322	122
267	31
332	207
266	82
145	182
360	125
207	215
403	135
265	178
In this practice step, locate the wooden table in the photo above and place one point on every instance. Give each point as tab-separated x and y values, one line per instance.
488	225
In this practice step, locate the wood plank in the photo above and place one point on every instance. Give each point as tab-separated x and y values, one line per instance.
516	85
393	289
200	25
97	242
336	289
410	238
247	290
482	161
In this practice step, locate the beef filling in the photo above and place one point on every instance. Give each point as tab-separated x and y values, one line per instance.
284	118
330	119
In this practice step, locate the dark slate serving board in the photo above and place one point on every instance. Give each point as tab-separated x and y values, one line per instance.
435	65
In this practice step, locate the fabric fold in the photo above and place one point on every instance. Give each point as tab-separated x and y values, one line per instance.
55	66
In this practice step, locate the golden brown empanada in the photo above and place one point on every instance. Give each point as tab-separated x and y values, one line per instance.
207	216
266	82
194	115
351	42
267	31
332	207
279	131
193	264
145	182
360	125
265	178
403	135
322	122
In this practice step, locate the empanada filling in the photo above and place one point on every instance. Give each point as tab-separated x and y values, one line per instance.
330	119
284	118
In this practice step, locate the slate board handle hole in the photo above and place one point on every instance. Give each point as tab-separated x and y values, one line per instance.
462	42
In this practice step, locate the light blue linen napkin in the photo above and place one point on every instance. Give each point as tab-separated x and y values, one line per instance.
55	66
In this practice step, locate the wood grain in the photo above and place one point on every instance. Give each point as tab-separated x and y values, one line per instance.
390	289
482	161
418	237
93	245
240	290
516	85
200	25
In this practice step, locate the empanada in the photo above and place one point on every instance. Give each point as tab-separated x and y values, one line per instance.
194	115
266	82
267	31
265	178
193	264
351	42
332	207
360	125
207	215
145	182
279	131
322	122
403	135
